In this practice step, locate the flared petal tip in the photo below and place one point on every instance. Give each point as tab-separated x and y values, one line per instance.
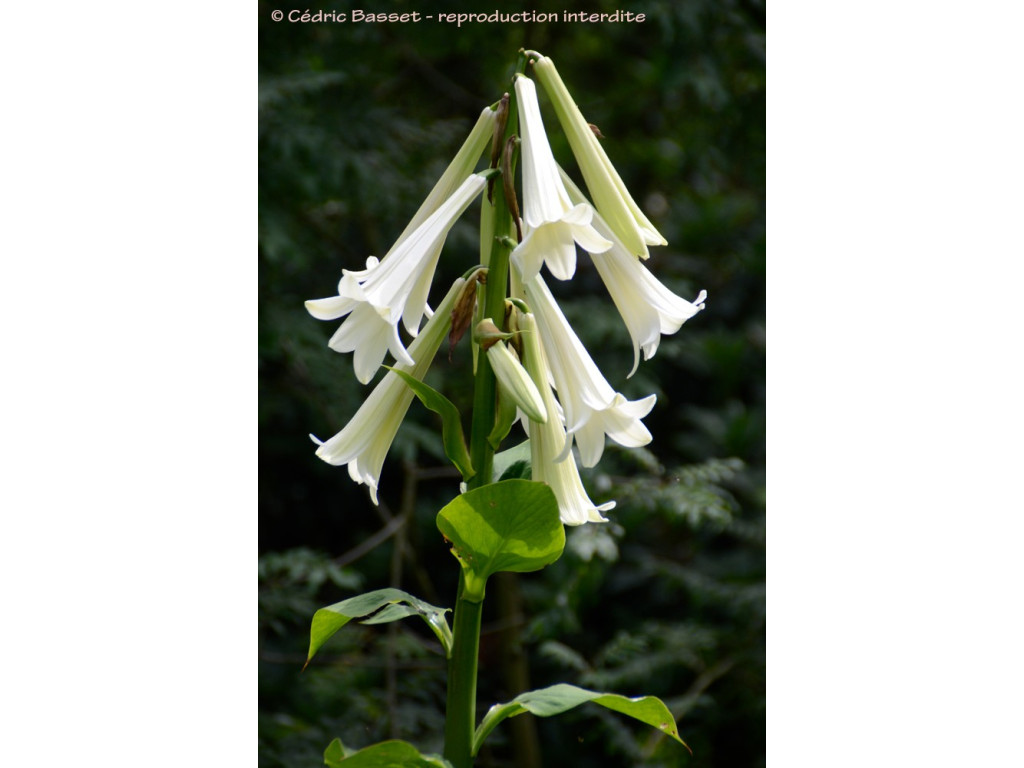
636	360
590	240
592	515
363	478
652	236
330	308
329	456
373	493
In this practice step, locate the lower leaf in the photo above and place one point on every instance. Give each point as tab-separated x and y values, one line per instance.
545	702
378	607
387	754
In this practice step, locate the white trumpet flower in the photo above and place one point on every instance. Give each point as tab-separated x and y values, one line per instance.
592	408
553	225
610	195
549	463
647	307
367	438
392	289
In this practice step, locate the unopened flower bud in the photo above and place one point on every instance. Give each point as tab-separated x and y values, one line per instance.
516	382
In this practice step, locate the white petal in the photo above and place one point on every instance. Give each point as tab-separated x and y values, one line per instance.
592	408
555	223
393	289
367	334
590	441
610	195
528	256
390	284
559	248
415	305
330	308
590	239
397	349
576	376
580	215
548	440
364	442
627	432
544	195
647	307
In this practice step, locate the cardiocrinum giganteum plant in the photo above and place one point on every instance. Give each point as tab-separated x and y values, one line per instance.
529	367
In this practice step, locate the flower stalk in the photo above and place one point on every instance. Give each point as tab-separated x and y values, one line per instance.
496	218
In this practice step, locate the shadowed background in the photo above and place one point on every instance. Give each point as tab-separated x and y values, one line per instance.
357	122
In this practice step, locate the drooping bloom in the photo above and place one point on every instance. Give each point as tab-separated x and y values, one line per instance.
553	225
550	464
592	408
606	187
366	439
392	289
647	307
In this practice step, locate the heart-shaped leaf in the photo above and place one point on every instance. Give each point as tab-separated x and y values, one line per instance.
508	526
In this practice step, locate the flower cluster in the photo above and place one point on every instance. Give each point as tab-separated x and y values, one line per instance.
539	362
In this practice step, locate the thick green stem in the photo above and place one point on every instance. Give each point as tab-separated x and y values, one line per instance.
460	713
460	717
504	230
484	395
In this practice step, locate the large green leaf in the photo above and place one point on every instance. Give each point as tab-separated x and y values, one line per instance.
376	607
508	526
387	754
560	698
451	422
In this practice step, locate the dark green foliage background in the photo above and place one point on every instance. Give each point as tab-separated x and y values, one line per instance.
356	123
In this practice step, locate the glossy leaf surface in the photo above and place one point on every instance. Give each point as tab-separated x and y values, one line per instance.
512	525
387	754
545	702
378	607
